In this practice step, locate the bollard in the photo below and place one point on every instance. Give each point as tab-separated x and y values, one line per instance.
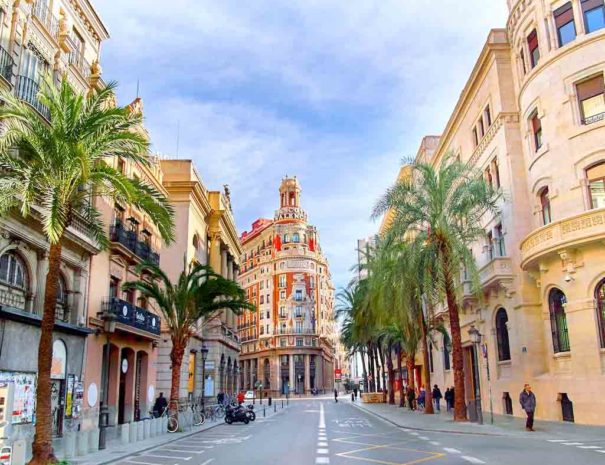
274	407
263	412
270	400
282	403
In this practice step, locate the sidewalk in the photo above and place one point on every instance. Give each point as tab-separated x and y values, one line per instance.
116	451
504	425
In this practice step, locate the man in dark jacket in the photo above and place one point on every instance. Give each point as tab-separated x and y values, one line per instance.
527	399
437	398
160	405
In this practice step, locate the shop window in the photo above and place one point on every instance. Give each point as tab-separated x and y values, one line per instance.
536	128
502	335
596	185
533	47
591	99
558	321
600	297
545	206
594	15
566	28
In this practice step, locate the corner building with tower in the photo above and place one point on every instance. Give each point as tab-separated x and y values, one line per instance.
287	345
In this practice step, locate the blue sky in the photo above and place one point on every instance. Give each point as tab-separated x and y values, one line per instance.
334	92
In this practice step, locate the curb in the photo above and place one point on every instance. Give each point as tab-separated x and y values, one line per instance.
414	428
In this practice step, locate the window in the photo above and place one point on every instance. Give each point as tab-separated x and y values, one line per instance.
129	296
267	300
499	241
298	312
475	137
600	296
33	65
558	321
534	49
282	343
591	98
282	280
481	128
566	28
431	366
446	357
487	115
61	311
77	54
299	327
298	295
490	246
13	271
282	295
299	342
545	205
286	238
502	335
262	330
536	128
295	237
495	174
282	312
596	185
114	287
262	283
594	15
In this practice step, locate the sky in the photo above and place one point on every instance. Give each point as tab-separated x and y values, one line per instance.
336	92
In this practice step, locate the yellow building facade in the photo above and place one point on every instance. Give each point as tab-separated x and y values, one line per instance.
531	119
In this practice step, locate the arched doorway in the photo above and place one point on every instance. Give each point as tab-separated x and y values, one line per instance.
140	386
126	386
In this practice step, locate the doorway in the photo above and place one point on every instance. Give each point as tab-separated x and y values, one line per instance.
57	406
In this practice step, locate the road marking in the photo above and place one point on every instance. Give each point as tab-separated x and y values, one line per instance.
558	440
323	451
413	433
452	451
472	459
572	443
322	416
319	460
141	463
208	461
600	451
424	438
434	443
167	457
182	451
325	444
589	447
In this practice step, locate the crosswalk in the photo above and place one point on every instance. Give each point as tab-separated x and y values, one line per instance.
596	446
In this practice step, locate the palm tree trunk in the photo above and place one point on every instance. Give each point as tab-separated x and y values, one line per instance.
457	361
410	362
383	373
176	358
400	369
364	371
42	447
371	364
391	375
377	365
428	397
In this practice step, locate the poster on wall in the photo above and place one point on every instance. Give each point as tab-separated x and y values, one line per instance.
24	396
69	395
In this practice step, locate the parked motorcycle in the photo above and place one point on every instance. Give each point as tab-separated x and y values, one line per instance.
236	414
250	412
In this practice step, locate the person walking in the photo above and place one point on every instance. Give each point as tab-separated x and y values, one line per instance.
336	395
421	398
160	405
437	398
527	399
240	398
448	399
411	398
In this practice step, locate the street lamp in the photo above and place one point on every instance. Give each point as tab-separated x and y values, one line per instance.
204	352
475	337
110	328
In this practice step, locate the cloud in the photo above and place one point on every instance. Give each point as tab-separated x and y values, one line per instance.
334	92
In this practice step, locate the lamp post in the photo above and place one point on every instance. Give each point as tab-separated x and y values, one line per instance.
475	337
110	327
204	352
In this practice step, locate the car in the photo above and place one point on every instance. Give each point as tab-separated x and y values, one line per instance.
249	395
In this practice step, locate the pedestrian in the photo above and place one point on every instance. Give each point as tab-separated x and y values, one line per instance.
411	398
336	395
220	397
527	399
437	397
448	399
160	405
352	396
240	398
421	398
355	392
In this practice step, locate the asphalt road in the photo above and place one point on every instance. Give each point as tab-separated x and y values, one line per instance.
318	431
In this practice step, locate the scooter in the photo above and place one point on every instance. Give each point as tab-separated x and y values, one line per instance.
236	414
250	412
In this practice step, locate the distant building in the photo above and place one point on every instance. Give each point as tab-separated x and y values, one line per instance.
288	344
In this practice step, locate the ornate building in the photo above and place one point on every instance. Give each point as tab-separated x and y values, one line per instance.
531	118
288	344
36	39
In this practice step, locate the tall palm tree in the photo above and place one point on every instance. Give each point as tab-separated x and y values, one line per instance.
199	293
439	212
54	171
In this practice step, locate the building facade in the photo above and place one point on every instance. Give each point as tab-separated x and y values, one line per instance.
37	39
531	119
206	234
288	344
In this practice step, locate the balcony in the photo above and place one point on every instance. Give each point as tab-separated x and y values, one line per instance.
583	229
496	273
27	90
43	14
128	240
127	315
594	118
6	64
293	331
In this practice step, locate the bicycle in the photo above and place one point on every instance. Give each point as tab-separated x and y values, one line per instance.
199	417
173	422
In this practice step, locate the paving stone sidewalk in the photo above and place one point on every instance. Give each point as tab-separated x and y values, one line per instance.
504	425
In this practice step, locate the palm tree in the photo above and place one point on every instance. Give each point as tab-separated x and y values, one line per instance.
199	293
438	211
54	171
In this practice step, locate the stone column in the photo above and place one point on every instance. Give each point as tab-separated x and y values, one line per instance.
292	383
319	371
35	304
307	373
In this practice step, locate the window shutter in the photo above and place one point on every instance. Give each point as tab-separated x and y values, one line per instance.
596	172
563	15
591	88
588	5
532	40
536	124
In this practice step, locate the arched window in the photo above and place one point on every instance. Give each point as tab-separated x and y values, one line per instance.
545	206
286	238
13	273
600	296
295	237
502	335
61	309
596	185
558	321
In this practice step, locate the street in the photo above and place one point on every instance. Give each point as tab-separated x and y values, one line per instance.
318	431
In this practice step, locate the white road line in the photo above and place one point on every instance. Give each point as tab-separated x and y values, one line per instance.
434	443
452	451
320	460
172	457
572	443
589	447
322	416
322	444
413	433
182	451
141	463
208	461
424	438
558	440
323	451
600	451
472	459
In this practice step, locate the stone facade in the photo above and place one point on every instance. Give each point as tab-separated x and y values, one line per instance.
531	119
288	344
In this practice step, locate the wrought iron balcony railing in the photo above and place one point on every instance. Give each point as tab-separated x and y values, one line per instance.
118	233
6	64
131	315
27	90
41	11
594	118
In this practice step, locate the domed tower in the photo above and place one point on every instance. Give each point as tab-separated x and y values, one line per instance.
289	203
